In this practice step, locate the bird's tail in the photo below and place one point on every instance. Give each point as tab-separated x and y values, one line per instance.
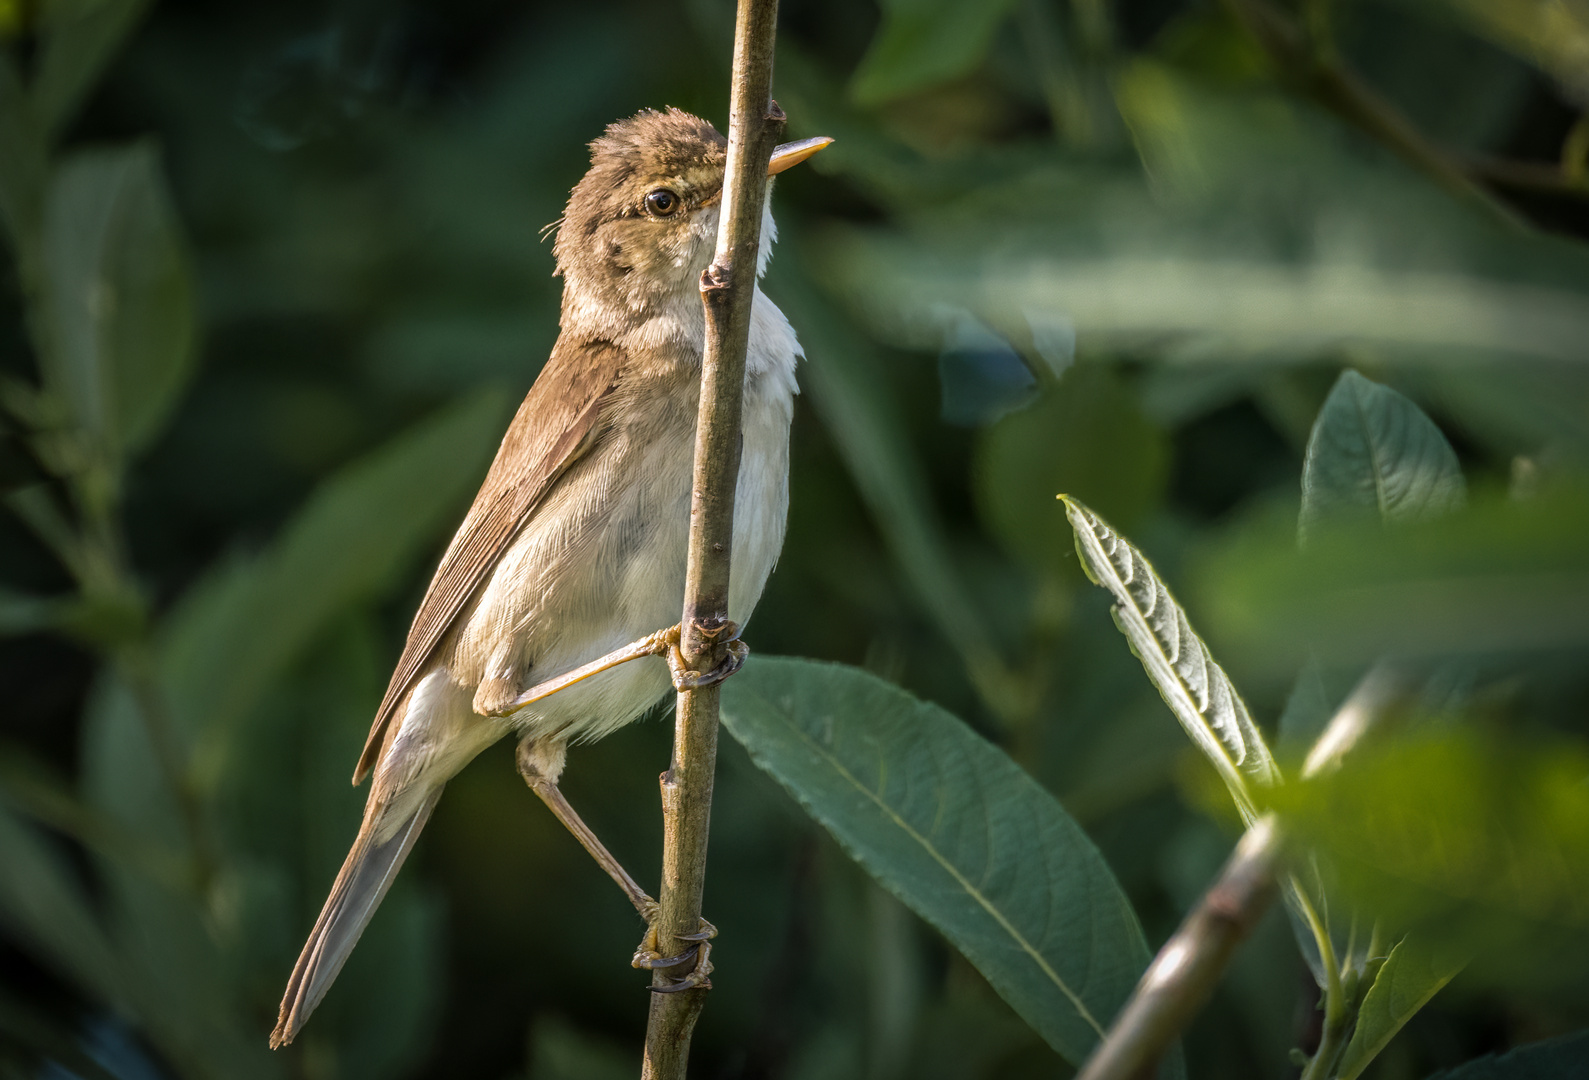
358	891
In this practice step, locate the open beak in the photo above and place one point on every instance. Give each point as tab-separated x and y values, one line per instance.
791	154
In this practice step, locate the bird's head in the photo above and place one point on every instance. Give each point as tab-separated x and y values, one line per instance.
642	224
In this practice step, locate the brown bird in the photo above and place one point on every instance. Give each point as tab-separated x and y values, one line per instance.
575	546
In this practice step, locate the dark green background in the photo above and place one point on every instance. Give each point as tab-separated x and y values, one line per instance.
361	186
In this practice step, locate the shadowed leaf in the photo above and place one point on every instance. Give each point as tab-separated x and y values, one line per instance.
957	831
1566	1058
120	325
924	42
1372	451
1409	977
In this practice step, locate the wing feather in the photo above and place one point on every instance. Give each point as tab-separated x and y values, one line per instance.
548	433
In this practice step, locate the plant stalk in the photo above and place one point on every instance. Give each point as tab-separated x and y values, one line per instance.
1183	974
727	289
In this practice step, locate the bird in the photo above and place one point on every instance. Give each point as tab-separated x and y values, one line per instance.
572	555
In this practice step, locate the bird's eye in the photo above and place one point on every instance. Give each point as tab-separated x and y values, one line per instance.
662	202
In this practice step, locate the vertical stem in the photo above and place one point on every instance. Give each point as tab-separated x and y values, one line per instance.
727	289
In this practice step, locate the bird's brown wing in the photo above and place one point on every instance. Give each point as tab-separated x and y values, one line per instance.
548	433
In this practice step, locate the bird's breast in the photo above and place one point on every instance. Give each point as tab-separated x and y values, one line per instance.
601	562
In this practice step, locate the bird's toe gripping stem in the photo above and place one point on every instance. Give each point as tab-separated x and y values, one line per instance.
685	678
648	957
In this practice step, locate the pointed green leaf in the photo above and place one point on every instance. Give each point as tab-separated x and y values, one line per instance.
1372	451
1412	974
119	314
957	831
1196	689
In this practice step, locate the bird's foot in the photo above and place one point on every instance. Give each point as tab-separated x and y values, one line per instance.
649	957
685	678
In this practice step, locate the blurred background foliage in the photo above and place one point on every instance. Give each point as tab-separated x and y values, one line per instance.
275	283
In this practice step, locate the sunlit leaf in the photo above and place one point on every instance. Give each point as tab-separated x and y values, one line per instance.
1374	452
925	42
1565	1058
1499	575
957	831
1180	666
1479	843
119	335
1409	977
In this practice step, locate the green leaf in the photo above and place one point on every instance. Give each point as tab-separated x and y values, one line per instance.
1481	843
1566	1058
957	831
1180	666
924	42
1409	977
119	314
1373	451
236	631
1501	574
80	37
1085	435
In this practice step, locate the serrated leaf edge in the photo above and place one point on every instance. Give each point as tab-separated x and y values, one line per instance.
1097	544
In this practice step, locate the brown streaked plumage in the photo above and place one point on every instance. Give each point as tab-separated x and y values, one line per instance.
575	544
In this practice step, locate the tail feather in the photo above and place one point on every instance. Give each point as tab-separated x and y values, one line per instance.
358	891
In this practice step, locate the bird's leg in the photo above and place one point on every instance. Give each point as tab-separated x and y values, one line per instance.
540	779
663	643
656	644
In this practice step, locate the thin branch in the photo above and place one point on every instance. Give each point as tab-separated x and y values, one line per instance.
1184	973
727	288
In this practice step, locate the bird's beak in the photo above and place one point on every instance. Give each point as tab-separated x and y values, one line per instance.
791	154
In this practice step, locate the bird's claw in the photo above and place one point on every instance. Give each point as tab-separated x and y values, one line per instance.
699	976
684	678
649	958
